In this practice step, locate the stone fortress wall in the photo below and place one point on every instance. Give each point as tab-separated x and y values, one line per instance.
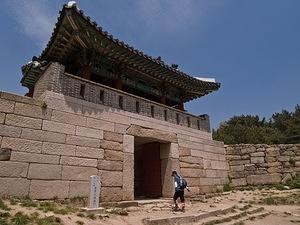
53	143
260	164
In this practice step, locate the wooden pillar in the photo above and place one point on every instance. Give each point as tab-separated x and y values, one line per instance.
86	72
118	84
163	99
30	92
180	106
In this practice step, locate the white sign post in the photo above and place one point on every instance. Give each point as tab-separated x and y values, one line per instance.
95	186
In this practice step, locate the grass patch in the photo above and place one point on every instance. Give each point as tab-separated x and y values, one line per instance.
91	216
292	199
227	187
27	202
118	211
20	219
49	220
53	207
80	214
3	206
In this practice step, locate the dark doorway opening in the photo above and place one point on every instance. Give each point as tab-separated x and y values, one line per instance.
147	169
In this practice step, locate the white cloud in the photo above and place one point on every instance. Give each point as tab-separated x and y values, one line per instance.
34	19
173	15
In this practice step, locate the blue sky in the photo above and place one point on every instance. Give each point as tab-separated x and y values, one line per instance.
251	47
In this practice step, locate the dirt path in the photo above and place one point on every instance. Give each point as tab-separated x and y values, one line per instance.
240	207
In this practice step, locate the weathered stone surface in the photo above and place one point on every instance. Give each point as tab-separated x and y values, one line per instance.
5	153
113	155
191	159
272	152
78	173
89	132
264	179
248	150
68	118
13	169
96	153
257	154
257	160
111	194
111	178
10	131
219	165
138	131
42	189
190	165
239	182
22	99
237	168
58	127
270	159
128	143
18	187
211	173
6	106
32	111
21	145
167	166
2	117
186	172
120	128
42	135
184	151
22	121
240	162
83	141
283	158
100	124
79	189
207	189
44	171
76	161
110	165
287	177
34	158
111	145
274	170
250	167
128	176
236	174
233	157
112	136
58	149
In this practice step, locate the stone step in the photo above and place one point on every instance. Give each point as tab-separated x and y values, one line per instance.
186	218
239	214
135	203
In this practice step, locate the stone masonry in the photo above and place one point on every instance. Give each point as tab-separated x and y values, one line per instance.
53	143
262	164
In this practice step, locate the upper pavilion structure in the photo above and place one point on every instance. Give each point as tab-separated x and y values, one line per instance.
93	54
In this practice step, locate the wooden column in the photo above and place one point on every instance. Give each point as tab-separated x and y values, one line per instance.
180	106
163	99
118	84
86	72
30	92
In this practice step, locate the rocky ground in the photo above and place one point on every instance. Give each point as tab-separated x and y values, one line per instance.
252	207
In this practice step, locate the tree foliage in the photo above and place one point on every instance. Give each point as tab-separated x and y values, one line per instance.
281	128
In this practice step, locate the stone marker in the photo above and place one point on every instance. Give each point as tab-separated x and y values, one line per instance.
94	192
95	186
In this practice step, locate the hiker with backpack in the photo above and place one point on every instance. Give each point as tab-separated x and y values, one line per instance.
180	185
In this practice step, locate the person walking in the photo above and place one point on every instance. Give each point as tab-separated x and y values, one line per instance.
180	185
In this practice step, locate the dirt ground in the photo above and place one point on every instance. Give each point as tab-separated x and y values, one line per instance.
269	207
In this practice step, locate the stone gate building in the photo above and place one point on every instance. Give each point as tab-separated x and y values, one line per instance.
97	106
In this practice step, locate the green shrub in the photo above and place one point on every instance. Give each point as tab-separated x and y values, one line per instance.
227	187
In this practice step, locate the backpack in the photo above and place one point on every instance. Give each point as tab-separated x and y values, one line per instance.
182	183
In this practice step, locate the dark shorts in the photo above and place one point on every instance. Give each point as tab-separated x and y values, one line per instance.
179	194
